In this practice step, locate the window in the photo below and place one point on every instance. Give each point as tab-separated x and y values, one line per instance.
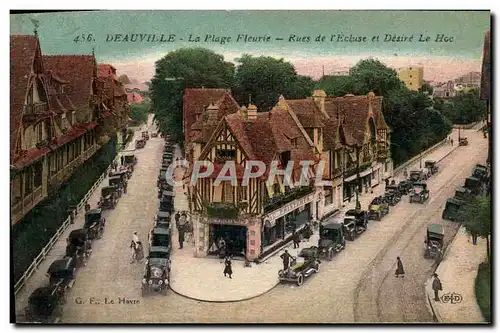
38	170
242	193
227	190
294	143
39	128
226	153
410	83
28	182
411	76
73	118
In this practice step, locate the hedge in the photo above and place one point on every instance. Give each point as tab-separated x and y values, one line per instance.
34	231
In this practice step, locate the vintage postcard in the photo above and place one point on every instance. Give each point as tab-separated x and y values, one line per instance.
250	167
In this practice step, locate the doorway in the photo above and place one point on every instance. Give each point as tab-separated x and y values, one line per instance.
234	236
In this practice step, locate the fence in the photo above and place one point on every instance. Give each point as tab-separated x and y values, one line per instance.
41	256
416	157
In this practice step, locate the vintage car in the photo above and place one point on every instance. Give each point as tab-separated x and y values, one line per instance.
154	134
140	143
480	172
94	223
145	135
463	141
167	201
432	167
163	219
392	195
302	267
129	160
119	183
164	187
331	239
378	208
79	246
474	185
420	193
160	237
109	197
156	276
359	219
124	174
405	187
434	241
45	306
418	175
162	177
168	148
452	211
464	194
62	273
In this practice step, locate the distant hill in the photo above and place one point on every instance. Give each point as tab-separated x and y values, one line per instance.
124	79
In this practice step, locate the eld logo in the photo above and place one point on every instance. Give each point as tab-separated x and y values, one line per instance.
452	298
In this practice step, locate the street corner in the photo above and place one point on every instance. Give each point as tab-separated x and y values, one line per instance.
202	279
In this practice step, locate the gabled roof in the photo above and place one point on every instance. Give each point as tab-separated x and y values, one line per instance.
486	68
22	54
308	113
106	70
194	102
78	70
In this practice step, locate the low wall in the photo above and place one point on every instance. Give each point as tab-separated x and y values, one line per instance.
416	157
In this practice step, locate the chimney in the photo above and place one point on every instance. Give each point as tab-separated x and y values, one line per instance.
252	112
319	98
212	112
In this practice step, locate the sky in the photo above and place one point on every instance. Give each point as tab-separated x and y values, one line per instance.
314	41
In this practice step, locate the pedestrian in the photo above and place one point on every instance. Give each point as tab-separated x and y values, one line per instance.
139	252
177	217
474	238
436	286
125	183
400	270
135	238
308	231
295	239
405	173
286	260
452	142
227	267
133	249
122	159
221	246
181	238
387	182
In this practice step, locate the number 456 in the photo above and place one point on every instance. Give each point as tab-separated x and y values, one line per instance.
84	38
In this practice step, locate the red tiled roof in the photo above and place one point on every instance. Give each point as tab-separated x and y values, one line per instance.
133	97
194	102
307	112
106	70
30	156
486	68
22	53
78	70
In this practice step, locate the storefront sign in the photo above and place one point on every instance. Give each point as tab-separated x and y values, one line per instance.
290	207
245	222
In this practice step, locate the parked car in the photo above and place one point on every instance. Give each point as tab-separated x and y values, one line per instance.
463	141
420	193
451	210
480	172
405	187
163	219
109	197
378	208
432	167
145	135
418	175
474	185
392	196
360	219
79	246
302	267
140	143
331	239
94	223
156	276
62	273
434	241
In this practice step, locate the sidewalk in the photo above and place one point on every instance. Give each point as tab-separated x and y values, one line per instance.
247	282
457	273
58	251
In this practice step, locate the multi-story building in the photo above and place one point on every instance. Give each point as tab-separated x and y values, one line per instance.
485	91
348	133
469	81
412	77
54	113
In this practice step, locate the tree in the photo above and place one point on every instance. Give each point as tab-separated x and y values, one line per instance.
139	112
477	217
426	88
262	80
465	108
372	75
180	69
336	85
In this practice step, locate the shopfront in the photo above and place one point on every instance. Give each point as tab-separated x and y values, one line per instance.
278	225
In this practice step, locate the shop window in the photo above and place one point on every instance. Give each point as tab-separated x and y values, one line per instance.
226	153
328	197
38	172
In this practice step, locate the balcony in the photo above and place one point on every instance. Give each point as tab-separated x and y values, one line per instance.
35	108
224	210
279	200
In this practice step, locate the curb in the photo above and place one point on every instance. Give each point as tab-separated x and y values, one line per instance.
228	301
435	313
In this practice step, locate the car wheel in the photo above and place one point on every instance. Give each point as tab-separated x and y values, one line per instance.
379	216
316	268
300	279
330	255
280	272
352	235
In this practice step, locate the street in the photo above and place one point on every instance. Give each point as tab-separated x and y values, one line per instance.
108	290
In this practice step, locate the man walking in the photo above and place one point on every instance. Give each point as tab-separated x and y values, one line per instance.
286	260
122	159
295	239
400	270
436	286
474	238
177	217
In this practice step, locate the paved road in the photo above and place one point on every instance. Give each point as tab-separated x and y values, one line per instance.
327	297
380	296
